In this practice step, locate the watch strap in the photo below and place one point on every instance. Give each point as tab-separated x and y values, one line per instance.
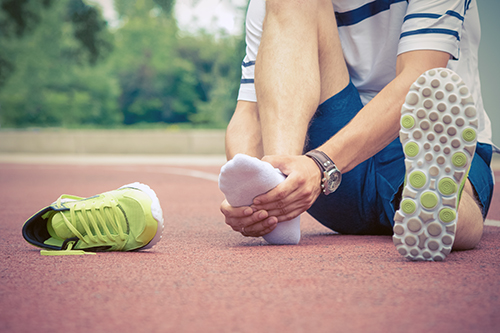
322	160
327	167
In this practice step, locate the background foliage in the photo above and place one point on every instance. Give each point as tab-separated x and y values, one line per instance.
61	65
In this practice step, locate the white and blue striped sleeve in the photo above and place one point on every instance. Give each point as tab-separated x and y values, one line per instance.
253	26
433	25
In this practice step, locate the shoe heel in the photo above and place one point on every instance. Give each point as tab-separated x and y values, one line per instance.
156	210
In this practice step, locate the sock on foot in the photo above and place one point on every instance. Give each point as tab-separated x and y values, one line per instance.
243	178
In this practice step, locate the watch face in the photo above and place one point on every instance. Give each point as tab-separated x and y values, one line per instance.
333	179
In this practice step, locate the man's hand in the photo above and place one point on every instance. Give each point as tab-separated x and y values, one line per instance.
247	220
297	193
285	202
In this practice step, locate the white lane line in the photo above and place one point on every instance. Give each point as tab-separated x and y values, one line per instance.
192	173
492	223
110	159
174	171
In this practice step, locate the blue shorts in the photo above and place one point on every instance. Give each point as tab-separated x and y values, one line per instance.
367	199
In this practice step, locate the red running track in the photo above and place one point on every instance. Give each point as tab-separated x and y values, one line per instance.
202	277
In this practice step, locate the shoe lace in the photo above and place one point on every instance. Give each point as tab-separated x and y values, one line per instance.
98	214
67	251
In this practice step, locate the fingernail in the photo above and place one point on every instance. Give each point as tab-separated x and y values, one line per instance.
248	211
271	221
263	214
256	202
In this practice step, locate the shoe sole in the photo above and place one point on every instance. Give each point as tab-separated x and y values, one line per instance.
438	134
156	211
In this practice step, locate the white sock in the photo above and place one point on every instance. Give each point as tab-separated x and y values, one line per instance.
243	178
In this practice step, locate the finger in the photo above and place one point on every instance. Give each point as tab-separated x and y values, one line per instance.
289	215
230	211
281	195
299	205
238	223
279	162
261	228
290	200
302	196
300	180
284	189
262	233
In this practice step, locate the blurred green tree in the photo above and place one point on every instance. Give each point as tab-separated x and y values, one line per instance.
217	70
169	77
156	86
16	17
61	65
51	58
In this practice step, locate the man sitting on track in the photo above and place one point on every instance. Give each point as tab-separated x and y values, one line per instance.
325	91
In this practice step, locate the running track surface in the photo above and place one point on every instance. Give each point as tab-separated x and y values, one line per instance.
203	277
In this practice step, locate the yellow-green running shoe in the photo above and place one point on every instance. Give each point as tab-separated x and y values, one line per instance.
126	219
438	134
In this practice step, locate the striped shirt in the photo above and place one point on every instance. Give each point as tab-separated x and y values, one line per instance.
373	33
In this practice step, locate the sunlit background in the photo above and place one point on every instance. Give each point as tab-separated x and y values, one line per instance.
146	63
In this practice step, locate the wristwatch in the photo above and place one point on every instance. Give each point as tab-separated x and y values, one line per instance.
331	175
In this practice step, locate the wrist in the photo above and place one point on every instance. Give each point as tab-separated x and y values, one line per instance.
331	175
317	173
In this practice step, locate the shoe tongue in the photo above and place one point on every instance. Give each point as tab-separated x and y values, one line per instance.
60	227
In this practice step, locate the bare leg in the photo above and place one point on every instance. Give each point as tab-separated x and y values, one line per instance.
470	221
299	65
243	134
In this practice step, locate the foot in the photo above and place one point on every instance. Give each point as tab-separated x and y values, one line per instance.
243	178
126	219
438	134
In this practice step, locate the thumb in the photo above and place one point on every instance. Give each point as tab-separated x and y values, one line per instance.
280	162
